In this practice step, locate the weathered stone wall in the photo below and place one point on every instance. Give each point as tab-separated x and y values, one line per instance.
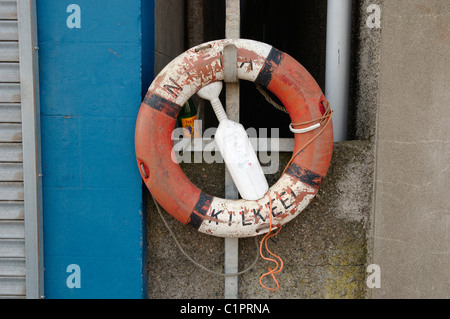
324	249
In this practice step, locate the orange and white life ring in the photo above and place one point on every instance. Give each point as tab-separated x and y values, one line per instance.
183	77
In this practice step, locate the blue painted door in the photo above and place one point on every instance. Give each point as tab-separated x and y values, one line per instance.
93	55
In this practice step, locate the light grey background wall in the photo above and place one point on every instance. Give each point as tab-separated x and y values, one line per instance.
411	225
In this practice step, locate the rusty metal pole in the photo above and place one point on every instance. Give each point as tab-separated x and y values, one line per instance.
232	30
195	29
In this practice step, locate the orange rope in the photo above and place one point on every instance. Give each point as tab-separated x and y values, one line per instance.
274	271
279	266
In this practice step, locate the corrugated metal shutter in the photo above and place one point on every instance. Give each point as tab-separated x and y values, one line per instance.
12	229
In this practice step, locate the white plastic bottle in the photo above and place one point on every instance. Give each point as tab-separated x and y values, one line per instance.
236	149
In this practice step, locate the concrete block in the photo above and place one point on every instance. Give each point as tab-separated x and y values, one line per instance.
411	237
324	248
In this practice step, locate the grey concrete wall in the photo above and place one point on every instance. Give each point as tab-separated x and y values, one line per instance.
411	225
324	249
365	66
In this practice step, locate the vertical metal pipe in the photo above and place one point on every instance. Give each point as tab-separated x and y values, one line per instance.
232	30
32	168
337	73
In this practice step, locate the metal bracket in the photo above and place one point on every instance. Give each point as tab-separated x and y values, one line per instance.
230	63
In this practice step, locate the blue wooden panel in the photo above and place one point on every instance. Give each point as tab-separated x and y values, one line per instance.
94	58
90	79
